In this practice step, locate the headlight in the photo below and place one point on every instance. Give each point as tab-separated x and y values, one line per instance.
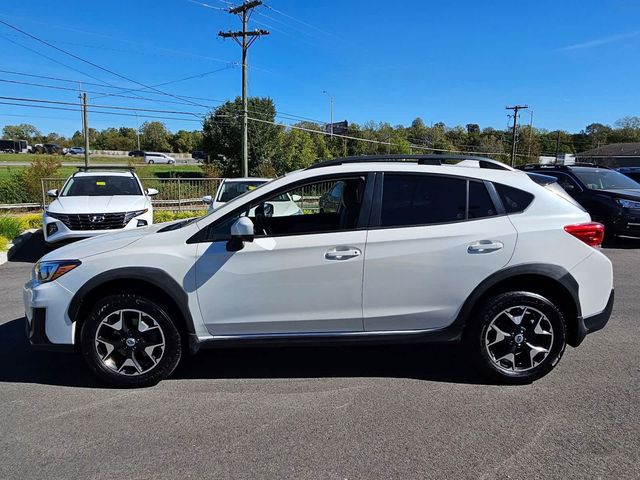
48	271
628	203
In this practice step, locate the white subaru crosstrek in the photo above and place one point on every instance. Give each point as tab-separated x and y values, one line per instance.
94	201
416	250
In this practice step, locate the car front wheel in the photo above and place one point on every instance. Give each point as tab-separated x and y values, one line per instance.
517	337
130	341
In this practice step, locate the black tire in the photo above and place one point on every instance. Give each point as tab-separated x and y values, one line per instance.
521	369
150	162
157	366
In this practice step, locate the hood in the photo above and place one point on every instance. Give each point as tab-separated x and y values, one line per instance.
103	243
111	204
628	193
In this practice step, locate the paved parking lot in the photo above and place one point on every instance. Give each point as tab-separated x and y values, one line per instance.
344	413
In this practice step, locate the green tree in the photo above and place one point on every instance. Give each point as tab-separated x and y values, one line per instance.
222	133
23	131
154	136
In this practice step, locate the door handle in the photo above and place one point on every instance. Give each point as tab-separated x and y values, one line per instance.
342	253
484	246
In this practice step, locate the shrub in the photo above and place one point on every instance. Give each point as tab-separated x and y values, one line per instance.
4	244
211	170
10	226
13	190
30	220
161	216
41	167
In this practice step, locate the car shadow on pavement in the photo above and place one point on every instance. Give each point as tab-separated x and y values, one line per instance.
19	363
622	242
30	250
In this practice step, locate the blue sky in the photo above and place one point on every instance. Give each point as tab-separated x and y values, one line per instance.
574	62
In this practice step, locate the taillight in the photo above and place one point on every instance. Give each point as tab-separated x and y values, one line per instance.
590	233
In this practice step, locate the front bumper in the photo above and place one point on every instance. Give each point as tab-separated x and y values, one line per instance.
64	233
37	334
593	323
48	325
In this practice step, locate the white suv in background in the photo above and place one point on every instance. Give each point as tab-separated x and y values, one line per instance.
416	251
157	157
231	188
94	201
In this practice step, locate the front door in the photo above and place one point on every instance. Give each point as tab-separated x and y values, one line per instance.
301	274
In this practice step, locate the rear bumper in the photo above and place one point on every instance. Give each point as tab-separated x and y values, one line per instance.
593	323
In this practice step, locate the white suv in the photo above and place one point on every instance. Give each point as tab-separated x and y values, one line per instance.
231	188
417	250
94	201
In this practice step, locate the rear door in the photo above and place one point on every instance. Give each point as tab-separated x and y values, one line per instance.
437	238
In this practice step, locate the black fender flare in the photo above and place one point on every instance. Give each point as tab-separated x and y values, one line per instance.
553	272
155	276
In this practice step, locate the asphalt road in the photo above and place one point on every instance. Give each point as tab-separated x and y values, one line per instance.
343	413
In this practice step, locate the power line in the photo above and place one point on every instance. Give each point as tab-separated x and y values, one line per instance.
88	62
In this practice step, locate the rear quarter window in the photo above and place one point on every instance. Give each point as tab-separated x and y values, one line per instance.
514	199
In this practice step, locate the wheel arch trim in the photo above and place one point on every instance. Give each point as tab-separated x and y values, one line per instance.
552	272
154	276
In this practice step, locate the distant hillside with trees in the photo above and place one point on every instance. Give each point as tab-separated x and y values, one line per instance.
276	149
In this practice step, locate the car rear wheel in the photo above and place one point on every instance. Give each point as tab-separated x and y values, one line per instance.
130	341
150	161
518	337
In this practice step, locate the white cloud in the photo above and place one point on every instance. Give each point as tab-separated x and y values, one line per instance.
600	41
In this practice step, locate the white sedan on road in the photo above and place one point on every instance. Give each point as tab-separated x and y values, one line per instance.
231	188
95	202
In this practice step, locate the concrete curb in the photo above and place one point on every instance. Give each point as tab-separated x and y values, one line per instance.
15	244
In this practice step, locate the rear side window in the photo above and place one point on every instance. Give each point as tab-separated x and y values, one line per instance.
422	199
513	199
480	203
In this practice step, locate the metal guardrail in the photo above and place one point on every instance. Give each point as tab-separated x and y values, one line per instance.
177	194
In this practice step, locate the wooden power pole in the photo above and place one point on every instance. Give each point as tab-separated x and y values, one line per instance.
85	124
246	40
515	109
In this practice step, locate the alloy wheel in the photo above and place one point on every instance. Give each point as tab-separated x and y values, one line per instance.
129	342
518	339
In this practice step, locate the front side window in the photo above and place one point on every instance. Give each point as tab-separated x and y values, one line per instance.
298	211
410	200
104	185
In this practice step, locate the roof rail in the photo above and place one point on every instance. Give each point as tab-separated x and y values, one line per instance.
530	166
432	159
106	167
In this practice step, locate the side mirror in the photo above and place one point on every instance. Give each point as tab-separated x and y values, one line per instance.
208	199
53	193
241	231
296	198
152	191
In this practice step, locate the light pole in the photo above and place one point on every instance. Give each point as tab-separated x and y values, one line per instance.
330	112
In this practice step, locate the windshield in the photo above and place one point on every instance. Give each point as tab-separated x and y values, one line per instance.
231	190
605	180
103	185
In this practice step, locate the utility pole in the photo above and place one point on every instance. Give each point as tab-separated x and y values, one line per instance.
530	135
515	109
247	38
330	113
86	129
558	147
138	130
